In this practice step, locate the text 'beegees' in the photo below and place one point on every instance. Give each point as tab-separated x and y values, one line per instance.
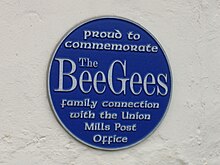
150	84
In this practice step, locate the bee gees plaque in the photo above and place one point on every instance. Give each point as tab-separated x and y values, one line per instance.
109	83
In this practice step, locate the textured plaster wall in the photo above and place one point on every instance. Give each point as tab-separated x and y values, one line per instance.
188	30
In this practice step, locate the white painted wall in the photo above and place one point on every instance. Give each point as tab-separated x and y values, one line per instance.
188	30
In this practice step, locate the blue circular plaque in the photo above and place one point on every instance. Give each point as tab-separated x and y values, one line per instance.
109	83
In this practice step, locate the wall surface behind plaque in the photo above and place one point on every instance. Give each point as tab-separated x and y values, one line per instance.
189	33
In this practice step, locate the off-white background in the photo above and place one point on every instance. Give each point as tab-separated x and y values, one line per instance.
188	30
